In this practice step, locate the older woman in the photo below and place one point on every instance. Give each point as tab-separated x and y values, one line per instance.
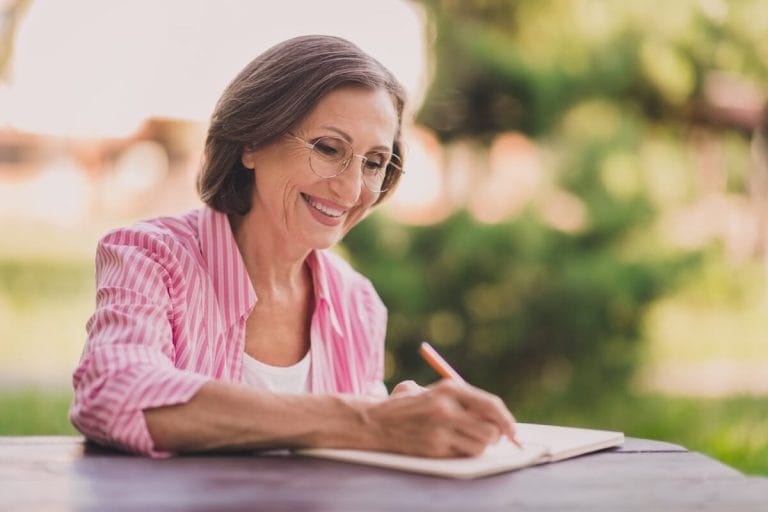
233	326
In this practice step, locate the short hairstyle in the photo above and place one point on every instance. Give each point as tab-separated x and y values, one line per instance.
270	96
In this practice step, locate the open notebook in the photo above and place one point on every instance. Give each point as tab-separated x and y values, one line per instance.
540	444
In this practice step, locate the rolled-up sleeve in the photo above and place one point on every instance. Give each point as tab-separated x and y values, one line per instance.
128	362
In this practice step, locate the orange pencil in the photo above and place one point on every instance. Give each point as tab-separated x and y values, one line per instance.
442	367
439	364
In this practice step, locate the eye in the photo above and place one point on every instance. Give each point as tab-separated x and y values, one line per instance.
329	148
376	162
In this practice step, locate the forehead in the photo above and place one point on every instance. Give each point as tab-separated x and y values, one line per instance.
362	113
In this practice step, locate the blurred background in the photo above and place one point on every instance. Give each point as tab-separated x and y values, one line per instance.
582	229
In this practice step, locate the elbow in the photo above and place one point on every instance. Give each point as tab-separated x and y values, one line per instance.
107	418
88	412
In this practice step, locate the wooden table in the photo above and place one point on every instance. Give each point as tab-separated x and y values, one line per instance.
66	474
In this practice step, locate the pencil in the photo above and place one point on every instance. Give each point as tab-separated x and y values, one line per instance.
442	367
439	364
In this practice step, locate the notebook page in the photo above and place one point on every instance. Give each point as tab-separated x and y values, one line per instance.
565	442
503	456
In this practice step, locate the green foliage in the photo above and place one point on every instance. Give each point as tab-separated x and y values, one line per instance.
613	92
521	309
519	65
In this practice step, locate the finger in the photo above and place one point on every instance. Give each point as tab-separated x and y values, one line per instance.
407	386
446	410
483	405
481	431
467	446
450	442
430	423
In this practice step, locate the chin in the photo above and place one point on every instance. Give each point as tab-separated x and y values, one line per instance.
324	242
325	245
324	237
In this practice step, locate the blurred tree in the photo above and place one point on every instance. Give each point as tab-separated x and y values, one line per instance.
519	65
521	308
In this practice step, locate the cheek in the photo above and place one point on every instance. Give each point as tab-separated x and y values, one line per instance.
364	208
273	183
367	200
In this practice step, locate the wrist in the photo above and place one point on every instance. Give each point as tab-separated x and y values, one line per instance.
355	426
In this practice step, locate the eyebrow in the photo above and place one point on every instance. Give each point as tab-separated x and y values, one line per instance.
344	135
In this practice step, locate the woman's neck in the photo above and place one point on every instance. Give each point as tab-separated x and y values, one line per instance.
273	267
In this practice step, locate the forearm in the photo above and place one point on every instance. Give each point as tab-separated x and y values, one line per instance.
228	416
447	419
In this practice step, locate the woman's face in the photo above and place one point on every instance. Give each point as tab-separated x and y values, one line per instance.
298	206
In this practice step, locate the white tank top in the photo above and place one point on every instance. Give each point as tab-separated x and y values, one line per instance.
278	379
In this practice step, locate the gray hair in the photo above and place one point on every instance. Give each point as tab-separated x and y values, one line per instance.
271	95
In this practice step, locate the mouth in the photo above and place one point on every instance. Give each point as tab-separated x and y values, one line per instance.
324	209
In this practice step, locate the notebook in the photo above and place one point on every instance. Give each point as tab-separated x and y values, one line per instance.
539	444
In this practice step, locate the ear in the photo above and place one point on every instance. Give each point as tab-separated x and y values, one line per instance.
248	157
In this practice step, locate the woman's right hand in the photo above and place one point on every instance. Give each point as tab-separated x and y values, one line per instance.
445	419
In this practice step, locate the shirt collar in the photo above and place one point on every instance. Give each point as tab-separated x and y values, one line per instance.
318	264
234	291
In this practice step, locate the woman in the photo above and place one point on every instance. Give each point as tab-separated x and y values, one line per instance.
232	326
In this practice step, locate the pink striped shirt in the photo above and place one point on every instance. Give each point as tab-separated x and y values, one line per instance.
172	300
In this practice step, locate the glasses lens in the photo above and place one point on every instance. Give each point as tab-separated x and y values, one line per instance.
329	156
374	170
389	176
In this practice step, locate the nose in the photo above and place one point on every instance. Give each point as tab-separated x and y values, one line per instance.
349	185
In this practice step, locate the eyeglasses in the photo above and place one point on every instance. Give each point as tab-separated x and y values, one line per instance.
330	156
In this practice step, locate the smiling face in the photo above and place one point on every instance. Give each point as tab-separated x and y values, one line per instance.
298	207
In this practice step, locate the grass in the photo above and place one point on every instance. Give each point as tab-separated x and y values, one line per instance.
733	430
26	412
719	315
44	305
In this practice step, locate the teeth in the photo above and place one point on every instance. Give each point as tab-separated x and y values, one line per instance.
322	208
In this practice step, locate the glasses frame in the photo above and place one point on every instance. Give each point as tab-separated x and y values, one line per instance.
363	159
